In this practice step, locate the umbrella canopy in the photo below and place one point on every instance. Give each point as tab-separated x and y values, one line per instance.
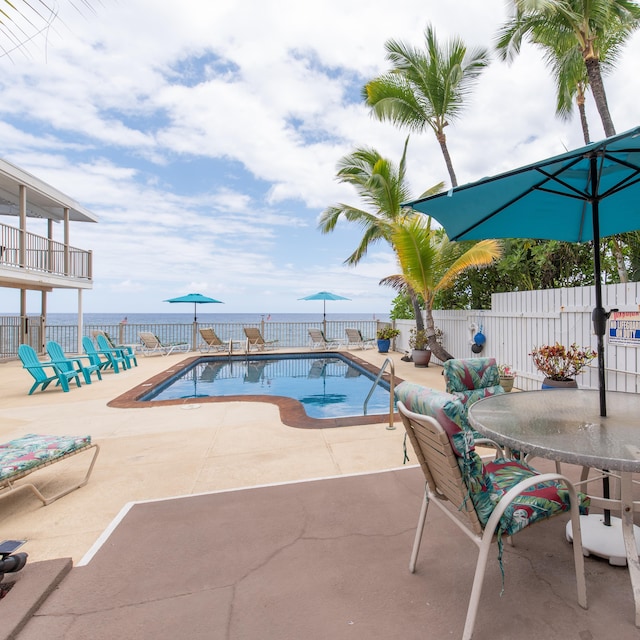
577	196
195	298
324	296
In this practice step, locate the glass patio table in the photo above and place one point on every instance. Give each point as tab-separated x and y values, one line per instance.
565	425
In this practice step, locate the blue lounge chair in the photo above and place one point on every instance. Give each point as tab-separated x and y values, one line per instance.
115	355
95	356
37	369
65	363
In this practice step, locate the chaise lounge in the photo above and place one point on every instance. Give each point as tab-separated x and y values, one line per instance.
23	456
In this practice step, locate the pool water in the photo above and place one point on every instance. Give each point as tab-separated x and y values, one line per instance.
327	386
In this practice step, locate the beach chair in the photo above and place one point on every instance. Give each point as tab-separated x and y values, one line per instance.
112	357
67	364
211	341
319	341
40	370
486	501
355	339
93	354
151	344
256	341
128	350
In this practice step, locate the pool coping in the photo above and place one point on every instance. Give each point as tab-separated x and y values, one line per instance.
292	412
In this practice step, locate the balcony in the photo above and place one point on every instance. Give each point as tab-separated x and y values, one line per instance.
35	262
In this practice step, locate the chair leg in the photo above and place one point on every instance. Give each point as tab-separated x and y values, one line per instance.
478	581
419	530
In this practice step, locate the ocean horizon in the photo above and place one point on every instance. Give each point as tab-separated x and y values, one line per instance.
63	319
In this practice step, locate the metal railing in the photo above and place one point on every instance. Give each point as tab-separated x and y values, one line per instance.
288	334
392	374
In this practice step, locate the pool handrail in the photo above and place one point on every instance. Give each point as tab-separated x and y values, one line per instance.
392	373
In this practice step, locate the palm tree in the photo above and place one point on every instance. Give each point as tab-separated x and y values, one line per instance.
382	187
37	16
430	263
597	28
426	88
581	39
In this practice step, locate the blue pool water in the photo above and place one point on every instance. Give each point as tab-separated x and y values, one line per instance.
327	385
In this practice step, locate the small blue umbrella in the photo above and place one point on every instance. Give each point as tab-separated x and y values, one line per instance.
195	298
324	296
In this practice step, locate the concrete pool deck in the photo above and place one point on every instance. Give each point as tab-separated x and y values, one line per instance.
182	449
231	559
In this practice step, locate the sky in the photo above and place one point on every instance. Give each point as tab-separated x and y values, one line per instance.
205	137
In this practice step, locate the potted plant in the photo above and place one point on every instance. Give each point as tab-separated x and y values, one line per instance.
385	335
507	376
420	354
560	365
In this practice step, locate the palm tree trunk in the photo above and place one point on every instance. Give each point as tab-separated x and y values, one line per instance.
417	311
436	348
442	139
583	117
623	274
599	95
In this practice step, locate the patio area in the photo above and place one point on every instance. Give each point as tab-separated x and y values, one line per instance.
322	552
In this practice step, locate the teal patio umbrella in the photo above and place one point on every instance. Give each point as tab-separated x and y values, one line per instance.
578	196
196	299
324	296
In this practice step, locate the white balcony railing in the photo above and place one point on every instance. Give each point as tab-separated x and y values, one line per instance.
24	250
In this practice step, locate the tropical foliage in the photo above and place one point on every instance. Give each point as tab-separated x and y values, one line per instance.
430	263
382	188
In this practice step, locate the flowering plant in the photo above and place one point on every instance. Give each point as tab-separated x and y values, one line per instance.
561	363
506	371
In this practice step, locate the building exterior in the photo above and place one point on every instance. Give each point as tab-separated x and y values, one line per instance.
33	262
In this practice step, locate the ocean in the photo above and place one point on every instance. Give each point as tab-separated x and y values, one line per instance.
64	319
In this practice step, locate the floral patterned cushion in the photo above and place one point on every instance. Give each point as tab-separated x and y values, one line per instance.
33	450
448	410
471	379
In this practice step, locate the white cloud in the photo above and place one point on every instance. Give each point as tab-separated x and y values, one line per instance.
206	138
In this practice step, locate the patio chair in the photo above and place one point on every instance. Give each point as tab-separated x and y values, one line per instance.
93	354
471	379
486	501
128	350
151	344
212	342
355	339
319	341
40	370
256	341
112	357
67	364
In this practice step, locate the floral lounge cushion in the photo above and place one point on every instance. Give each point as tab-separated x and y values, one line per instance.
33	450
472	379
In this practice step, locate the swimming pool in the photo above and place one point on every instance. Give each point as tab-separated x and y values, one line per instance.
327	385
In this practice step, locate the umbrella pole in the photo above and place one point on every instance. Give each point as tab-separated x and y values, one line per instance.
599	316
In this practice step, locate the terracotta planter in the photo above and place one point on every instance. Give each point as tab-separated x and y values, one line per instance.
548	383
420	357
507	383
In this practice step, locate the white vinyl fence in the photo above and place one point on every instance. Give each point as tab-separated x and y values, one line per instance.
519	321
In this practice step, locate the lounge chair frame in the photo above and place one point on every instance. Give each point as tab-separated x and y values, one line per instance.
255	340
355	339
151	344
7	483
